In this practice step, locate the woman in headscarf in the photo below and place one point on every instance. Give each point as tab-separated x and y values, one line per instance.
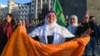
73	24
6	29
51	32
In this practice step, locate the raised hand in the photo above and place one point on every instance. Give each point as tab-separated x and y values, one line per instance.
87	32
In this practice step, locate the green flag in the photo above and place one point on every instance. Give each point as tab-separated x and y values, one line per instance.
59	12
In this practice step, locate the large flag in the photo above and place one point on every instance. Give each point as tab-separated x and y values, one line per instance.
21	44
59	12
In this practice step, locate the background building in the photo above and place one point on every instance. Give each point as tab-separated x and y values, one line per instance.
36	8
79	7
94	8
74	7
24	11
11	5
3	11
38	5
31	10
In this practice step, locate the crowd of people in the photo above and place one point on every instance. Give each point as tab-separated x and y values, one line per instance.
79	29
51	32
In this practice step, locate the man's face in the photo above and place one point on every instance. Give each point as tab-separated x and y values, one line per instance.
92	19
51	17
86	19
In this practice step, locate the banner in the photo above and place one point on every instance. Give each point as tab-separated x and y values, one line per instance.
21	44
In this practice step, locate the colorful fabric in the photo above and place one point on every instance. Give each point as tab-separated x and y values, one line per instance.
21	44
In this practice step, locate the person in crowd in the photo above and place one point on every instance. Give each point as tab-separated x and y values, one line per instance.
83	26
98	38
89	23
51	32
66	20
93	35
6	29
73	24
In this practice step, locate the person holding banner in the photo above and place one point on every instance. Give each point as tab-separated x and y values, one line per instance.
51	32
6	29
21	44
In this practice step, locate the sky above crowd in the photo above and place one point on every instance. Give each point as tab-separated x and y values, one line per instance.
18	1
